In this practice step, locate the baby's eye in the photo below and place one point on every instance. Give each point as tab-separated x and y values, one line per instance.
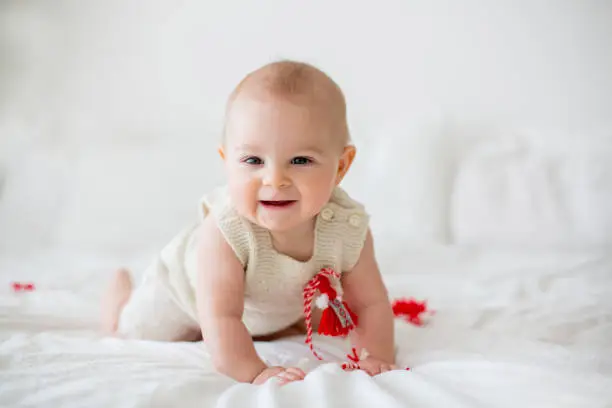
301	161
253	160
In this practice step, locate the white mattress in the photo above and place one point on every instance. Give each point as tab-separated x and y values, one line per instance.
511	330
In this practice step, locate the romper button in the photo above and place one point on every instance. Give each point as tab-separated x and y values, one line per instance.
355	220
327	214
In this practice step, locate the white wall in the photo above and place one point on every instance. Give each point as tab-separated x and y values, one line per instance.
110	111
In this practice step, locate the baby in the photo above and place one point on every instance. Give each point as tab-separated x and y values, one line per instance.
239	272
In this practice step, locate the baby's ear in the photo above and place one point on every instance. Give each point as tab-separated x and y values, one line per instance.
346	159
221	152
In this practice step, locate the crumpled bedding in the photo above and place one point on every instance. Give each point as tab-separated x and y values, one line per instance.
528	330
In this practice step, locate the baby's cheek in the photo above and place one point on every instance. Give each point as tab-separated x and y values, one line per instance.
318	196
244	195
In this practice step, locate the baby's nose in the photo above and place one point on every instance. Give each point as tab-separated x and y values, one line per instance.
276	177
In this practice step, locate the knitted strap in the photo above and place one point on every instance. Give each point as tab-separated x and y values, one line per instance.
343	315
309	292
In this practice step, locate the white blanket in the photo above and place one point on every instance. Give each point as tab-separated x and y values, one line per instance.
510	330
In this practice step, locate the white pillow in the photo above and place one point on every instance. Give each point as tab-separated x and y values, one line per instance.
34	184
402	175
530	189
128	198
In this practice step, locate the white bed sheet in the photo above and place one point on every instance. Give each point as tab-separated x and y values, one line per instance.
510	330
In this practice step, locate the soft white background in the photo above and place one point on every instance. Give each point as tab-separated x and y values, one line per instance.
484	136
485	123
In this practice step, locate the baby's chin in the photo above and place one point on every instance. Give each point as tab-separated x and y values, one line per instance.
282	223
279	226
278	220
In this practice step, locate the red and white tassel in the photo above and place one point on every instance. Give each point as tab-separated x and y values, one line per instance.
336	319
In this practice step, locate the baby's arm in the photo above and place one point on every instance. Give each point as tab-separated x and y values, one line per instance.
220	301
366	295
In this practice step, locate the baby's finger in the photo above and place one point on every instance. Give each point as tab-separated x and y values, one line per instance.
284	381
266	375
384	368
294	370
371	370
289	376
281	381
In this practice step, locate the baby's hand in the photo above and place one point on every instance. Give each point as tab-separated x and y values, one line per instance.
284	375
374	366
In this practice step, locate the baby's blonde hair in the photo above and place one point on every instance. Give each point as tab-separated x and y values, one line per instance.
299	82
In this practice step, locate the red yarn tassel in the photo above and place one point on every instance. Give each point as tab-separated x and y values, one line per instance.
410	310
328	323
332	319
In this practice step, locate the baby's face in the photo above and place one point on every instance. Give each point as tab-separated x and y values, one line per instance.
282	161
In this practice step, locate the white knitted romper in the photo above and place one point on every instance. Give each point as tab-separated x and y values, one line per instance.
163	307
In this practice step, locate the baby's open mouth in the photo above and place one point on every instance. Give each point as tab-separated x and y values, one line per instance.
277	203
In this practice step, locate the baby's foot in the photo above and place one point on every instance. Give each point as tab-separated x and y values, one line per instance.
115	298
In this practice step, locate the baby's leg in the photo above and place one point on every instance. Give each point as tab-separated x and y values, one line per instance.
115	298
149	312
